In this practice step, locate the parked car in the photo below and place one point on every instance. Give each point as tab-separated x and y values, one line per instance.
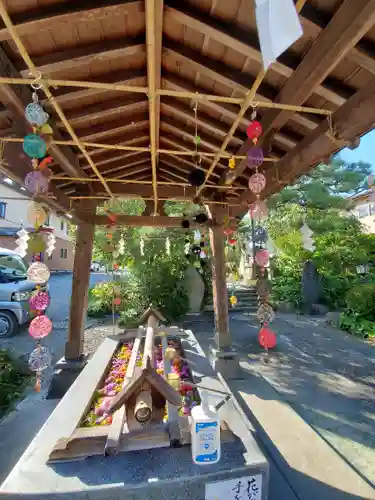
95	267
15	292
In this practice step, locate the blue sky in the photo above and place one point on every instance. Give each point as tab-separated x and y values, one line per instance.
365	151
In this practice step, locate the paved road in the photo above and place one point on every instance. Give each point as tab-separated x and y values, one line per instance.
327	376
60	287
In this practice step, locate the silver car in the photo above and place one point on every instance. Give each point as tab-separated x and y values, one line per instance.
15	292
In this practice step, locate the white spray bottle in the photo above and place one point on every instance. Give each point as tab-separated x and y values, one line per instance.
205	432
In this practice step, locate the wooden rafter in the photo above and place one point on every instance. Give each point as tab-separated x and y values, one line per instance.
347	27
154	23
244	42
80	11
112	128
7	21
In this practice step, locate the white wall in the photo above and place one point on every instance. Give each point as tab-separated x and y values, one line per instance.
16	212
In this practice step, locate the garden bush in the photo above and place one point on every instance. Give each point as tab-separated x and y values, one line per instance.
12	382
360	300
101	297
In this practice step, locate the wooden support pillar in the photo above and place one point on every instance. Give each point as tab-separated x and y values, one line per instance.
80	289
219	287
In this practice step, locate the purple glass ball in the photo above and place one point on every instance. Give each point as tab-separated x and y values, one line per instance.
255	157
36	182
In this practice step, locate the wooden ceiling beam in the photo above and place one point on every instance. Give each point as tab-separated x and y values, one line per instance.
125	166
58	14
168	162
308	122
107	110
218	71
188	134
187	113
174	177
146	191
363	53
181	160
67	96
105	50
136	170
352	120
350	23
228	110
141	221
246	43
103	159
115	127
174	142
130	139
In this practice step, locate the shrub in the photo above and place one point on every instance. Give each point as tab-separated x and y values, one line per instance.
356	325
360	300
12	382
101	297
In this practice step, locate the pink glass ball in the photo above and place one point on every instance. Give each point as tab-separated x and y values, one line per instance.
39	301
255	157
40	327
262	258
36	182
257	183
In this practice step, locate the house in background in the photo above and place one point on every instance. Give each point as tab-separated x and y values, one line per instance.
364	209
14	205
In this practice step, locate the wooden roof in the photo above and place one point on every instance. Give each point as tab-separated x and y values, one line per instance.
163	53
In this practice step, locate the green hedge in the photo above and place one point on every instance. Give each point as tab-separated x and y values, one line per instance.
12	382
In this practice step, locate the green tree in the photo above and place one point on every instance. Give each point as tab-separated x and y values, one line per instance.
321	200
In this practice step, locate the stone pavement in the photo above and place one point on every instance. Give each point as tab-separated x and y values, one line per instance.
325	375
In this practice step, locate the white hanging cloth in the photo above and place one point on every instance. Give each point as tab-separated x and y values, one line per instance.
307	238
278	27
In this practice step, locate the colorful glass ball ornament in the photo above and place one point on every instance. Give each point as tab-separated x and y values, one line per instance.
233	300
255	157
257	183
260	234
40	327
254	130
36	215
36	182
39	301
232	241
35	114
262	258
258	210
37	243
38	273
267	338
117	301
265	313
34	146
40	359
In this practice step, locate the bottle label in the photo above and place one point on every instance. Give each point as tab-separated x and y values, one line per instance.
206	433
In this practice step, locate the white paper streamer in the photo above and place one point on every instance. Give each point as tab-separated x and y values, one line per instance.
278	27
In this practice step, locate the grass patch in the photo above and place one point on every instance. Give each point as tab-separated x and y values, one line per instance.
12	381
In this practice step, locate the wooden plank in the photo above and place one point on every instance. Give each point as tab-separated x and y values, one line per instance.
119	418
66	95
79	57
140	220
111	108
230	110
187	113
57	15
173	419
91	134
77	400
81	279
349	24
241	41
128	139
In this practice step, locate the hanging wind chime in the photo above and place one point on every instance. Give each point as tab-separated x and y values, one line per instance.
35	145
196	176
258	211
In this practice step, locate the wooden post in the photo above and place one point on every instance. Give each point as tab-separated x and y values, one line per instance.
219	285
80	288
